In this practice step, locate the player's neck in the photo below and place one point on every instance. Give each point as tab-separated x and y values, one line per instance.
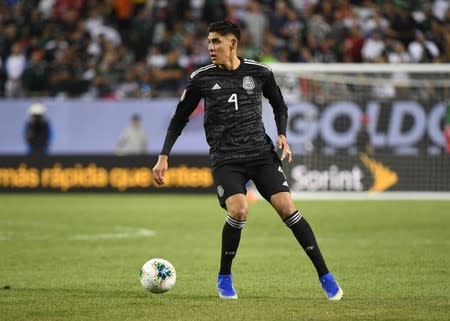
232	64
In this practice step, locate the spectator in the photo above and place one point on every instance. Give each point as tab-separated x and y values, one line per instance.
402	24
128	87
318	27
133	140
440	8
352	45
145	86
37	131
375	21
46	7
35	77
8	37
141	31
345	14
373	48
423	50
155	58
235	13
397	53
14	66
63	8
213	10
62	74
277	17
256	24
108	72
169	79
123	12
324	52
292	28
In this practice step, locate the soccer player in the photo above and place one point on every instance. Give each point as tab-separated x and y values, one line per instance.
240	149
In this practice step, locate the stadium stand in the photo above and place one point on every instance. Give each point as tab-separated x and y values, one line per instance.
117	49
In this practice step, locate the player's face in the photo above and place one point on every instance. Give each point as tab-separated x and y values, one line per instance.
220	48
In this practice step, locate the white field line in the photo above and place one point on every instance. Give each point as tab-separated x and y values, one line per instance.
119	233
32	224
349	196
407	242
423	196
125	234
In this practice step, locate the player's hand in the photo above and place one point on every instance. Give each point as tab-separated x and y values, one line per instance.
160	169
284	148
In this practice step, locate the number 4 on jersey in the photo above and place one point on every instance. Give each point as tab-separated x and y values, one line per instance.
233	99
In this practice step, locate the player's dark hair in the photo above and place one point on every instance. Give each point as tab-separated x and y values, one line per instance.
224	27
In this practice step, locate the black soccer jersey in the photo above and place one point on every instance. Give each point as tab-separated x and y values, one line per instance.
233	110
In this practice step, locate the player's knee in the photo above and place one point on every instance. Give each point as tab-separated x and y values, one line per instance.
237	207
239	213
283	204
285	212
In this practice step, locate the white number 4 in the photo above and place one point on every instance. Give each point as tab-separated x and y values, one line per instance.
233	99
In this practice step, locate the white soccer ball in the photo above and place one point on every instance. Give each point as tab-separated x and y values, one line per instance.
158	275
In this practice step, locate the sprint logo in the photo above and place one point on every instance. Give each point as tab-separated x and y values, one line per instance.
334	178
383	177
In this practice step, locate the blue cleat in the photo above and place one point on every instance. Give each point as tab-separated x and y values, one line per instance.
225	287
331	287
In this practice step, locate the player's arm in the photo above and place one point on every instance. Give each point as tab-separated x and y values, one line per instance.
273	93
188	102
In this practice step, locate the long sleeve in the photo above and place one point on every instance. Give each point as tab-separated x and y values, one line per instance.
273	93
188	102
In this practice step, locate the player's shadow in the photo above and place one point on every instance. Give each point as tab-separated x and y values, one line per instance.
139	294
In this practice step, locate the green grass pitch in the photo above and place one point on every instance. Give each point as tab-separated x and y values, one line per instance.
77	257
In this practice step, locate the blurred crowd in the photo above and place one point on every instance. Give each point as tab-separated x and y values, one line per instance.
116	49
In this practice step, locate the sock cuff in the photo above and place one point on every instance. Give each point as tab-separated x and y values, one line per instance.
293	219
235	223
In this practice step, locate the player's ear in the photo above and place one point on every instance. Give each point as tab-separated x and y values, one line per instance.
234	43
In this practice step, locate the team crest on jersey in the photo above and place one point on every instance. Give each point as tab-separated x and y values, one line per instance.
248	84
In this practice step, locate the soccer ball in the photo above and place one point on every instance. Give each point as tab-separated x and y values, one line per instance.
158	275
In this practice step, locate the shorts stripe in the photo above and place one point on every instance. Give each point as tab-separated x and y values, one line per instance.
235	223
293	219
